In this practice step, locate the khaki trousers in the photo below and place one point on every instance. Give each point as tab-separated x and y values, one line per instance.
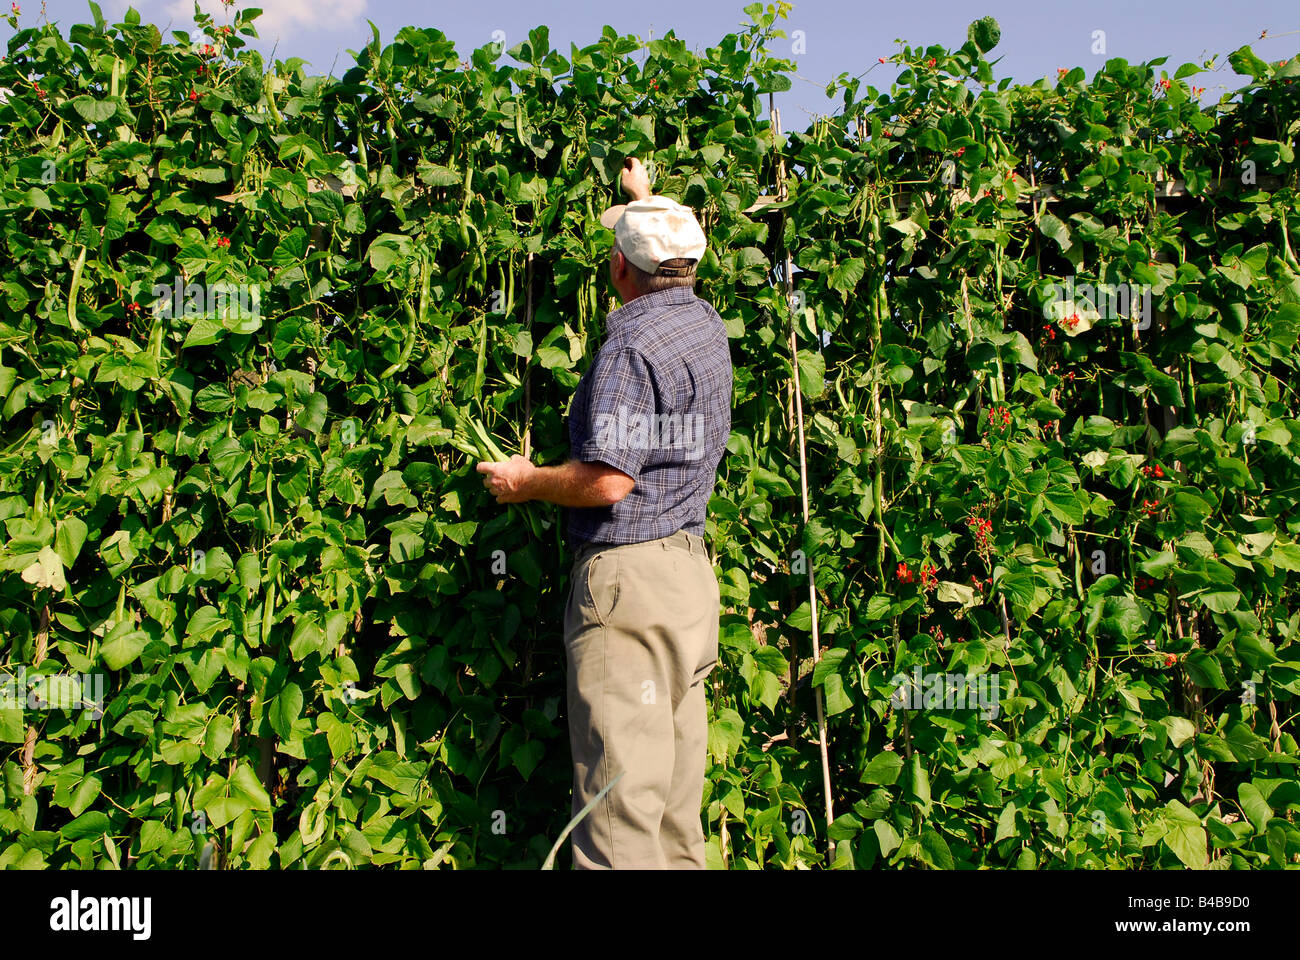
640	636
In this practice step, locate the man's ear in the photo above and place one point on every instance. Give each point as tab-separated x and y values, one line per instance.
618	264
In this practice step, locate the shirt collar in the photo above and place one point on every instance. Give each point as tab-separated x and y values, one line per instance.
648	301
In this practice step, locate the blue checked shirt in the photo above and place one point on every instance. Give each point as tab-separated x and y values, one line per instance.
656	404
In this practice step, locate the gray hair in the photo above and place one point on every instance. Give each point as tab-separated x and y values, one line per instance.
649	282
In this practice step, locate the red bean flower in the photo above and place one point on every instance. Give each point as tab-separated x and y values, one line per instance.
223	241
194	94
904	574
929	576
930	62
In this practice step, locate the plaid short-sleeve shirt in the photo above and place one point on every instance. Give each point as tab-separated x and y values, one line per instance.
655	404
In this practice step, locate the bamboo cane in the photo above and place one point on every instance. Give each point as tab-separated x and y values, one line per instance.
788	283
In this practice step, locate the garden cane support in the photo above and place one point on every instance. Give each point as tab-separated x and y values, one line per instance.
788	285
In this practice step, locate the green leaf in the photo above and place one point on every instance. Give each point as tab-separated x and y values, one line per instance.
1256	807
92	110
884	768
1185	836
886	836
46	571
812	373
284	709
1006	824
1244	61
847	275
1054	229
935	850
123	646
92	824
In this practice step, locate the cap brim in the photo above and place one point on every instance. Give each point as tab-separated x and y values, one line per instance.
612	216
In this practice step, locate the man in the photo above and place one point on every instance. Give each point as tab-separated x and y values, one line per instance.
647	429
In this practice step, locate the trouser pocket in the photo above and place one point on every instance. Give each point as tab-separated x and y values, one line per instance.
600	582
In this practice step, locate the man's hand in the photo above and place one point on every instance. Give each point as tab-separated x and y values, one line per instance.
508	481
635	180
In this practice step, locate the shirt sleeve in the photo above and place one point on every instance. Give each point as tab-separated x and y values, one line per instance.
620	411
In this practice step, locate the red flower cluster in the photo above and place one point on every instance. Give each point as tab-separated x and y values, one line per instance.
1069	375
904	573
1049	333
1170	660
1197	91
929	576
1163	84
960	151
999	414
1061	72
1072	321
223	241
938	635
194	94
981	527
132	307
1145	583
1150	507
1150	471
978	583
930	62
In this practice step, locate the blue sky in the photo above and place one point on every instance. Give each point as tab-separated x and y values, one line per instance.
838	37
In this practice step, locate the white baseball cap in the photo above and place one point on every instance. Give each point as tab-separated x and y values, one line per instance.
656	229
